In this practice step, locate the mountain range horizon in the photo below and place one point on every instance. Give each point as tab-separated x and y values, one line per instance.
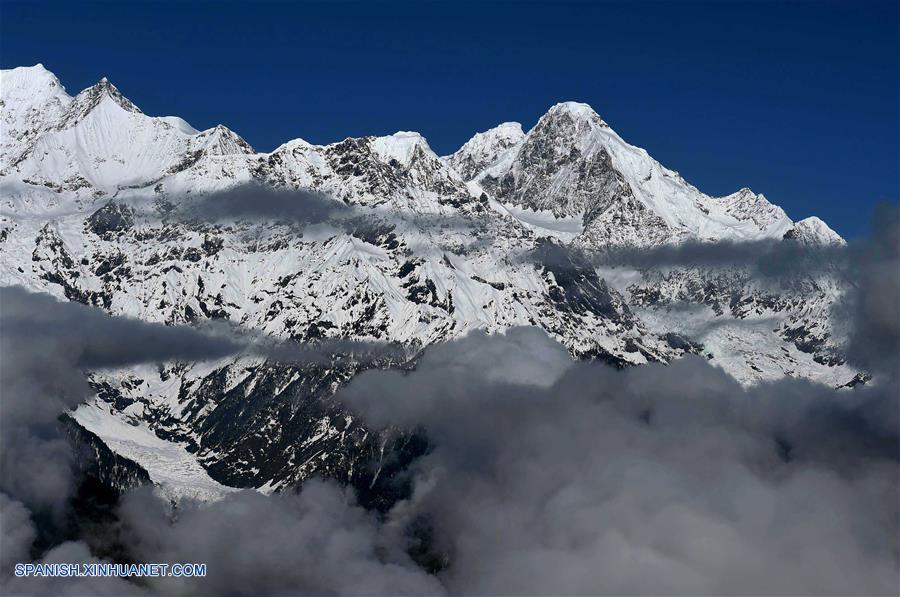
544	363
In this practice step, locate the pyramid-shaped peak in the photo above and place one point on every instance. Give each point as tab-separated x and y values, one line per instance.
105	87
220	140
92	97
745	192
568	118
566	122
813	231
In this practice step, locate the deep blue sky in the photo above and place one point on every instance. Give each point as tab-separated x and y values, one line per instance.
797	100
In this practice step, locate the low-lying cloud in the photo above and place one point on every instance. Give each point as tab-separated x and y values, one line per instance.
317	542
549	476
652	480
46	345
874	301
767	258
253	202
261	202
764	258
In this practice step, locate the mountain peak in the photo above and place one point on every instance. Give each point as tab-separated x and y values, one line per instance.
32	78
221	140
747	206
105	86
485	149
505	133
33	99
400	146
86	101
745	194
814	232
566	123
37	68
512	128
577	111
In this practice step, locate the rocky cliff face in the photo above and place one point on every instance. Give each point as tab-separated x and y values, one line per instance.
105	205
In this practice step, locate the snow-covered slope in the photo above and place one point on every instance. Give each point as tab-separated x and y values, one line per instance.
573	164
487	149
814	232
95	203
32	101
101	141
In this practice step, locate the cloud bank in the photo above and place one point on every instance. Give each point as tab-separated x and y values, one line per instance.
317	542
652	480
46	344
549	476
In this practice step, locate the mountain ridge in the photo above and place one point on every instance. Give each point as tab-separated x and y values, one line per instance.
420	249
743	207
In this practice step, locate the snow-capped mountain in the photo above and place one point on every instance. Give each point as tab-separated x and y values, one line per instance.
573	164
96	207
33	100
814	232
102	141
